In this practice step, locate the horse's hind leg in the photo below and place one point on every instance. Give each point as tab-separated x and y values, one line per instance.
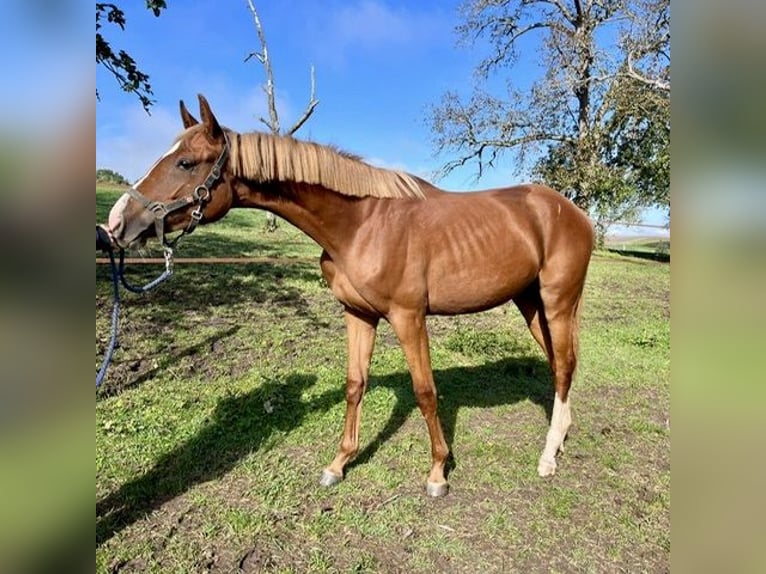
361	340
531	306
560	324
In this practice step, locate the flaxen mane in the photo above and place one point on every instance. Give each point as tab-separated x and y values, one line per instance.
263	157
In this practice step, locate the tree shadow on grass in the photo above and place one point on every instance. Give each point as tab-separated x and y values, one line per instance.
503	382
215	290
236	429
661	256
217	242
203	286
122	376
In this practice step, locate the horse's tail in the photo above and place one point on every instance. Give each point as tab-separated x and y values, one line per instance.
577	312
576	329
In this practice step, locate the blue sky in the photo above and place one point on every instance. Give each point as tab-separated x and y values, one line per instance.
379	65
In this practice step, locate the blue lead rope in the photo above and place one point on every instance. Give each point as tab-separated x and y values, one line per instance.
152	284
115	321
118	276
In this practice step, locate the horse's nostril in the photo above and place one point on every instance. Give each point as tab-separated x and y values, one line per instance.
116	226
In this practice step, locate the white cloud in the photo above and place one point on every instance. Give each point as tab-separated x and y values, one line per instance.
385	164
141	138
372	26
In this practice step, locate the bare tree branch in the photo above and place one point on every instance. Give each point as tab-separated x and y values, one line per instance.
562	8
264	59
273	122
255	55
657	83
648	39
313	102
478	147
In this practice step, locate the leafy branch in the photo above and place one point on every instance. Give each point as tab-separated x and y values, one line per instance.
119	62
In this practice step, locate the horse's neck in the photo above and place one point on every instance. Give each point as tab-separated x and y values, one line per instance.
327	217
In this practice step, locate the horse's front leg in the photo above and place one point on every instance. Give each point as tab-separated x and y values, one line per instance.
361	340
410	328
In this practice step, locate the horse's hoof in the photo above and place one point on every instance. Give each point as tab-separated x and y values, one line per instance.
546	467
329	478
437	489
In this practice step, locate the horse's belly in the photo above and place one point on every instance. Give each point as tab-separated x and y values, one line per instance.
478	288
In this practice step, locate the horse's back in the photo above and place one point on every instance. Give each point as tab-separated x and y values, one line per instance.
459	252
554	223
480	249
546	220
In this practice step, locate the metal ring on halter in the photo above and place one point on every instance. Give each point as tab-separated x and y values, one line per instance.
202	193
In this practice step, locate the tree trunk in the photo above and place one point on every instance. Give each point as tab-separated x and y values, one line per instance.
271	222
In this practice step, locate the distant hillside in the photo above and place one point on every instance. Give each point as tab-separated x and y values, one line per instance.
108	176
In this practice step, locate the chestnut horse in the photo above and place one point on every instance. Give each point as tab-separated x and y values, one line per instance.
395	248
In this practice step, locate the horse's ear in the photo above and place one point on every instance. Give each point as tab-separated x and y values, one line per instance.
188	119
213	127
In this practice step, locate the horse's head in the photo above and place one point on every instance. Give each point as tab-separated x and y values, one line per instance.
187	185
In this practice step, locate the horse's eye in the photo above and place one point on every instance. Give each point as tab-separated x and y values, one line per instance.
185	164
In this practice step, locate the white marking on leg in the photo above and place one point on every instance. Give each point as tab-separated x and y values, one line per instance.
561	419
156	163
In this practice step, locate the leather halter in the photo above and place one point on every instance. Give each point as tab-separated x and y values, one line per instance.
199	197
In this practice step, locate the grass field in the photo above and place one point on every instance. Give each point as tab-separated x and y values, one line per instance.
225	400
655	248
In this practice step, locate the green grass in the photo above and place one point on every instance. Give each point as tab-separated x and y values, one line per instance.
241	233
225	400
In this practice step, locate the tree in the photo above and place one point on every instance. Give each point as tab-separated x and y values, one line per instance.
121	65
273	122
104	175
595	125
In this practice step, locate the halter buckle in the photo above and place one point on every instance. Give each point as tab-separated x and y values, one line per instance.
202	194
159	210
168	254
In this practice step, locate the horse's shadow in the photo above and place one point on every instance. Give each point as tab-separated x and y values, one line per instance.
502	382
237	428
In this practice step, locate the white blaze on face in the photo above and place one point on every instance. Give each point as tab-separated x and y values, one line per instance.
116	219
156	163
